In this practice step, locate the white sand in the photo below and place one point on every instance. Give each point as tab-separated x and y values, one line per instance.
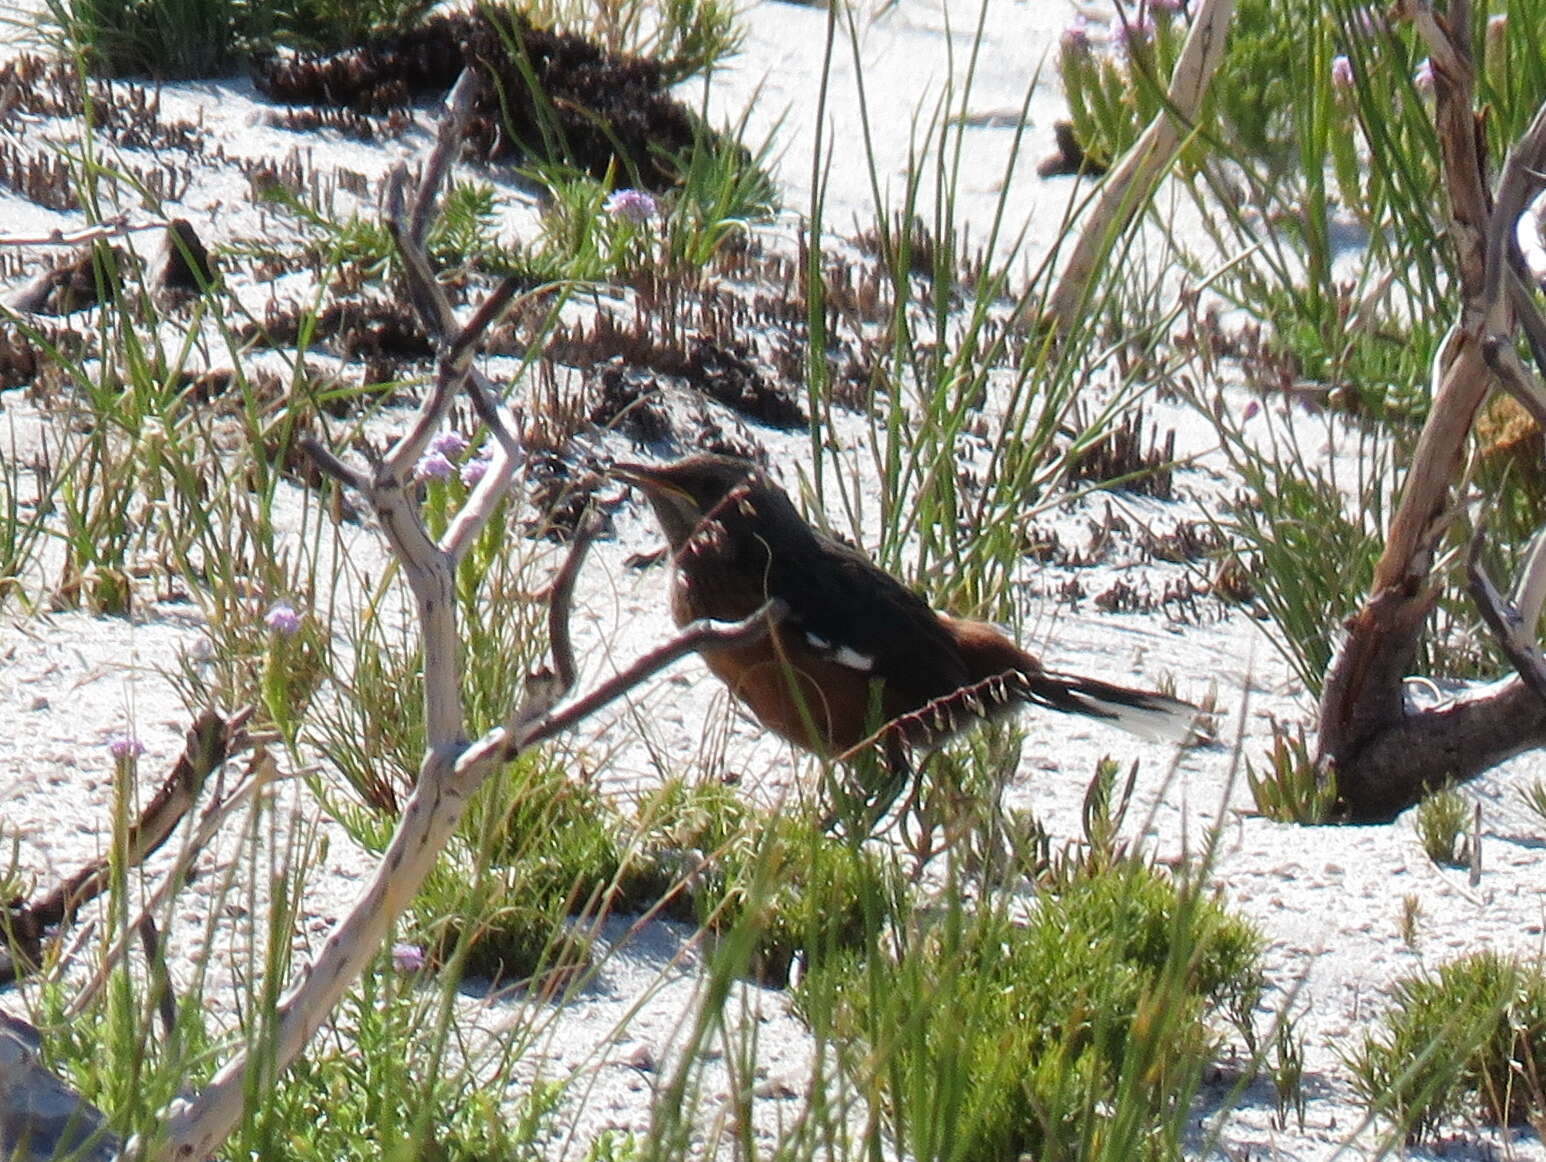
1330	900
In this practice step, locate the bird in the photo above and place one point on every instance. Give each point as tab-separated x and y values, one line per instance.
856	658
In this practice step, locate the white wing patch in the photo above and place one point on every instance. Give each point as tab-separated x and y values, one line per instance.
842	655
853	659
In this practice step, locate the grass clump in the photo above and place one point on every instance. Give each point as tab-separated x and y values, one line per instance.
1467	1039
793	890
330	25
1292	787
535	848
368	1090
1078	1032
539	850
182	39
168	40
1441	825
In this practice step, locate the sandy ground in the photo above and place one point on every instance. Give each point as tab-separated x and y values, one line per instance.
1330	900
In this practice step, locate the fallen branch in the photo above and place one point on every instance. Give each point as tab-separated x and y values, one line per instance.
212	740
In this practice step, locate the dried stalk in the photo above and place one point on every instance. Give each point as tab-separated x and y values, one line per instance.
1127	186
211	741
261	772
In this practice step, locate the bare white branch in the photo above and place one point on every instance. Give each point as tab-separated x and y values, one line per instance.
451	770
1530	589
1125	189
1528	233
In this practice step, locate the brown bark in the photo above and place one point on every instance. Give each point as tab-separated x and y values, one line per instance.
1384	757
1448	744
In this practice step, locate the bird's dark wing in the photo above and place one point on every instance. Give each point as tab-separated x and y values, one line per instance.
868	620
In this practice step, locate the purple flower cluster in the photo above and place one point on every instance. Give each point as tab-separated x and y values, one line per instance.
476	468
125	746
282	618
634	206
433	466
439	463
408	958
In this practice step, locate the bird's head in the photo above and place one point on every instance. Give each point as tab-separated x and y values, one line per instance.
686	491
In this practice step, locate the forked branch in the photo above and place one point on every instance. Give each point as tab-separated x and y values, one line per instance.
451	770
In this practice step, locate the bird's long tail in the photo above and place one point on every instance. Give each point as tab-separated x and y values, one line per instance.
1157	717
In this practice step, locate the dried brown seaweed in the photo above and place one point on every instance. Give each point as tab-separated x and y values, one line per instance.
82	281
129	114
376	329
550	95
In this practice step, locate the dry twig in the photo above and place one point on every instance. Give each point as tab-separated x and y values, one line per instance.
1125	189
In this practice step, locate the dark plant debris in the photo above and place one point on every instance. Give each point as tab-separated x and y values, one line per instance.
547	96
1070	157
129	114
81	281
722	368
1179	600
629	401
344	122
1118	459
183	265
1189	540
371	328
20	360
561	493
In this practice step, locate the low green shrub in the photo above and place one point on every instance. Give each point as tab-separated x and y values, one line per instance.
1469	1038
990	1036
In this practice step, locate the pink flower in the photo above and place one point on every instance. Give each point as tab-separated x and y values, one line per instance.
433	466
634	206
408	958
125	746
449	444
1076	37
474	470
282	618
1341	72
1423	77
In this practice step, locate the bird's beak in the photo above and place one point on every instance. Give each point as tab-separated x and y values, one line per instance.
651	481
675	508
641	474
